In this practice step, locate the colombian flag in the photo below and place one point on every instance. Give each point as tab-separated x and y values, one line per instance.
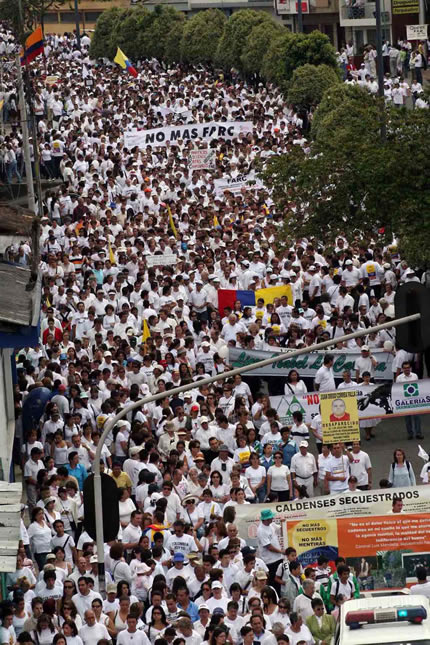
227	297
123	62
33	46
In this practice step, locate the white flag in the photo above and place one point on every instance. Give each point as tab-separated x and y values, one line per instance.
85	72
422	453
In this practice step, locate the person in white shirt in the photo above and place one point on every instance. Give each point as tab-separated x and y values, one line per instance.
304	470
298	632
269	548
92	631
132	635
413	421
360	466
324	378
422	588
303	602
83	599
337	470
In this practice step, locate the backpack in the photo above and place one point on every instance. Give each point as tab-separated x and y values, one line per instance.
408	466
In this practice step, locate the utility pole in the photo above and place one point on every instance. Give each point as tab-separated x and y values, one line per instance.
110	423
300	16
25	140
29	94
380	66
78	33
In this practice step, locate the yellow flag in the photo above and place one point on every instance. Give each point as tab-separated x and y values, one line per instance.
111	254
48	303
172	223
265	209
145	333
216	221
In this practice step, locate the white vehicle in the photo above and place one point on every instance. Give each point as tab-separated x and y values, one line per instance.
387	620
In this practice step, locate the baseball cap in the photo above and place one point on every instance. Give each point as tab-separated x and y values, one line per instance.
203	606
204	420
135	450
364	348
216	585
178	557
111	589
223	447
303	444
348	262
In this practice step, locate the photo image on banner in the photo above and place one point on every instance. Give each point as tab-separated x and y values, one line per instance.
339	416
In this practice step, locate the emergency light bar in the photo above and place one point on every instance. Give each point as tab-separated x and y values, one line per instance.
414	614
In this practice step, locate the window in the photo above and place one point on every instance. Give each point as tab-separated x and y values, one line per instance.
51	17
68	16
92	16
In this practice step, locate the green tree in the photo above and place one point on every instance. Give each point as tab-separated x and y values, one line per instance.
103	42
172	50
257	44
154	39
237	29
273	66
349	181
314	48
128	30
201	36
309	83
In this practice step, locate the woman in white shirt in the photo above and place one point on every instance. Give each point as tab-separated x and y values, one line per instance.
279	479
256	476
70	631
39	534
126	506
294	384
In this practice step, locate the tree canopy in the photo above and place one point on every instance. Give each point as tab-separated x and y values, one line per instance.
350	181
201	35
309	83
250	41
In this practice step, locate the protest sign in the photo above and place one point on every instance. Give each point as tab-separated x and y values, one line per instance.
161	260
206	131
374	401
321	524
416	32
339	416
308	364
235	184
202	159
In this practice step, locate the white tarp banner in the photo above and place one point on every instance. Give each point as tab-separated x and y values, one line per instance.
206	131
202	159
161	260
416	32
235	184
374	401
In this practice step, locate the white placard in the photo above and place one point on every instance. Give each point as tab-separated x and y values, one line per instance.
202	159
161	260
416	32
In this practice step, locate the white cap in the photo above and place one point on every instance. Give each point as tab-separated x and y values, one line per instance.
303	444
348	262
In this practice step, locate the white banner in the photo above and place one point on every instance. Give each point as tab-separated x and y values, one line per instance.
172	134
235	184
349	504
416	32
202	159
161	260
374	401
308	364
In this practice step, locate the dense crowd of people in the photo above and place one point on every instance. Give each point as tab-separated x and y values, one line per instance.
118	325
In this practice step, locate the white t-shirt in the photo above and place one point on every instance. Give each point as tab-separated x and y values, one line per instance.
279	476
255	475
267	536
359	466
338	466
325	379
